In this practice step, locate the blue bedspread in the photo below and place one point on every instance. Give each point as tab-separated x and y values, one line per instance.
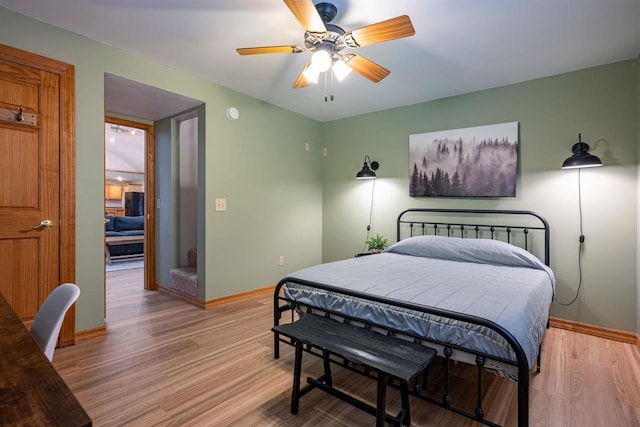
484	278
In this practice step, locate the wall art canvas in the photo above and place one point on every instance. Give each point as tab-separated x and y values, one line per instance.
479	161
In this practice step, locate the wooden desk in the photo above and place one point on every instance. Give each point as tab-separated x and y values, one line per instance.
32	393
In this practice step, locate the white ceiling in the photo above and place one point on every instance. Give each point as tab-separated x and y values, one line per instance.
124	153
459	46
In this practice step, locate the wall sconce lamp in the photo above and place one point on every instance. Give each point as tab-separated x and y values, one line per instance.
366	172
581	158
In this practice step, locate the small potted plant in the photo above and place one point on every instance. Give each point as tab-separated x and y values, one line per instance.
376	244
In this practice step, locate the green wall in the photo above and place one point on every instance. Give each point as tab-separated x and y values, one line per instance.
285	201
601	103
258	163
638	196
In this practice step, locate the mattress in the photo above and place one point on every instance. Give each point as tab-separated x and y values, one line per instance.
489	279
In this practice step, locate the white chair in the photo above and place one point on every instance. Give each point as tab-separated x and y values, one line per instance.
46	326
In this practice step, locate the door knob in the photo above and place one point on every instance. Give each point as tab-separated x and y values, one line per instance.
45	223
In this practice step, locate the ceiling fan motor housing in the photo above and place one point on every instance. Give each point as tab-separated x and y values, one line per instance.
327	11
333	39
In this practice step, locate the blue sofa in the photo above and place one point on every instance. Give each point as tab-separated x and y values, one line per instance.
125	226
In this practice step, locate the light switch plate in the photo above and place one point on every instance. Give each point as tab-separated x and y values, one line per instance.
221	204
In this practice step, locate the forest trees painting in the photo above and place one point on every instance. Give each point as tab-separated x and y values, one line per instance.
480	161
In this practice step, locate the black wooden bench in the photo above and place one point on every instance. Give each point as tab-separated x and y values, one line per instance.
387	356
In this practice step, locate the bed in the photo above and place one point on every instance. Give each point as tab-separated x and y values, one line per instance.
473	284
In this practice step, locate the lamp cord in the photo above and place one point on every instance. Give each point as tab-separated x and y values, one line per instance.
581	240
373	189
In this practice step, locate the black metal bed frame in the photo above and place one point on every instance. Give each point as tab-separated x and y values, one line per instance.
458	228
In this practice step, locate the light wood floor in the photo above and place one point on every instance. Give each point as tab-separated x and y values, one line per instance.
168	363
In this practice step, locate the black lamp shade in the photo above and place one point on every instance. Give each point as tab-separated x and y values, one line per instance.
581	158
366	172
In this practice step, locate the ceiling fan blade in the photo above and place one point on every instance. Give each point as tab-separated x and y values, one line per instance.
307	15
367	69
302	81
391	29
269	49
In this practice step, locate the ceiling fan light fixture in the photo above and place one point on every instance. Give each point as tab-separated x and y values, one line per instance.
321	60
312	73
341	69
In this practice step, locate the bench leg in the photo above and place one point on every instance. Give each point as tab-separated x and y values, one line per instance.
404	397
327	368
297	368
382	397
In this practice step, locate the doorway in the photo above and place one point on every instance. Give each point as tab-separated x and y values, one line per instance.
162	109
129	192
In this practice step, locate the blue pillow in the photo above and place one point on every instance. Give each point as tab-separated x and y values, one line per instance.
483	251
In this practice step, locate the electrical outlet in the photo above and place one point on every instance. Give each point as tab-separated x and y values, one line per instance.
325	152
306	146
281	260
221	204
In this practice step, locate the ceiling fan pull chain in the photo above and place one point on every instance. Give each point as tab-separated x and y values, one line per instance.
328	97
331	86
331	96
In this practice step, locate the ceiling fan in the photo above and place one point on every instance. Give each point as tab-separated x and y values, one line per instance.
328	41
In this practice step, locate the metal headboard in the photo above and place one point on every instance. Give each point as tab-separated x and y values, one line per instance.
475	224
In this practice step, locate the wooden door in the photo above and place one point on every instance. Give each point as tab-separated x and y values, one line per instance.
33	116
